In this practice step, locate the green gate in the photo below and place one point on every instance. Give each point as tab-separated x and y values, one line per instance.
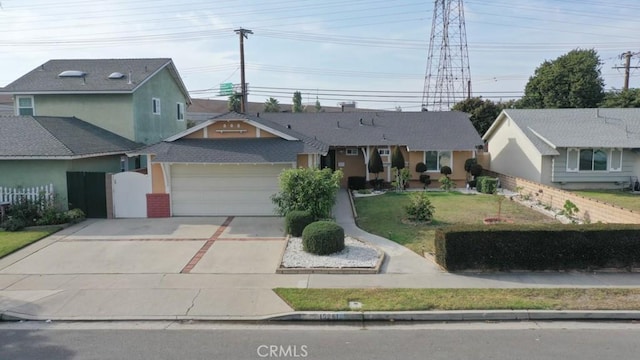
87	191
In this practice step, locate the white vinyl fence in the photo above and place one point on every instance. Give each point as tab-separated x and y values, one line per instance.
35	193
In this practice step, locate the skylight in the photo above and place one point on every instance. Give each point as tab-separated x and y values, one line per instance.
116	75
72	73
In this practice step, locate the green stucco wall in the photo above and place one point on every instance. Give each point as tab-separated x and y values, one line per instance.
151	128
113	112
27	173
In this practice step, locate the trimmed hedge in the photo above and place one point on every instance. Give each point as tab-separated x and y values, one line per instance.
296	221
323	237
356	182
538	247
486	184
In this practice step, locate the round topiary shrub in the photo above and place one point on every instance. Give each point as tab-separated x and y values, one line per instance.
445	170
296	221
323	237
421	167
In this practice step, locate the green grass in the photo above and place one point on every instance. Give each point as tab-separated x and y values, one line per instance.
461	299
620	198
12	241
383	215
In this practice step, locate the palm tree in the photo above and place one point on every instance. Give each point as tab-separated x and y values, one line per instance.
271	105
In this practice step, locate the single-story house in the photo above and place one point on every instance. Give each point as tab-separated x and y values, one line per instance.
229	165
67	152
568	148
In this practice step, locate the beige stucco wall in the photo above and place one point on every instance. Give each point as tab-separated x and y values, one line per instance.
513	154
302	161
232	129
157	179
352	165
110	112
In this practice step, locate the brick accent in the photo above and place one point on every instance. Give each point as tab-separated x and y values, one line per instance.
590	209
207	245
158	206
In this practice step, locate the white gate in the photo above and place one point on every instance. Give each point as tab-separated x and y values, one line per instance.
130	194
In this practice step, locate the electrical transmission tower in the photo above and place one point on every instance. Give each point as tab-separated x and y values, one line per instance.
448	77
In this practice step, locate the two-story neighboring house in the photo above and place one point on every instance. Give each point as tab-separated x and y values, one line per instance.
75	120
143	100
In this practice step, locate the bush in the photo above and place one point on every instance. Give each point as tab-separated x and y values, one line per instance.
356	182
469	163
421	167
425	179
14	224
323	237
486	184
538	247
446	184
75	215
296	221
445	170
308	189
419	207
52	216
476	170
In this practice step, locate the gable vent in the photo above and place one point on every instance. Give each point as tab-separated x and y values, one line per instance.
116	75
72	73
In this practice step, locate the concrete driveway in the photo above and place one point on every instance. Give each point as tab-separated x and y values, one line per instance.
214	245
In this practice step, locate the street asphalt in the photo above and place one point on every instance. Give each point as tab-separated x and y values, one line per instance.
224	269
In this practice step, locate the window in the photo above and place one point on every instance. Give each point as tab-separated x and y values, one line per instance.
352	151
25	105
384	151
435	160
180	111
155	106
594	160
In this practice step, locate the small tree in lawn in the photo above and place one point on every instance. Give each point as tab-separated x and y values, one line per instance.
375	165
397	163
307	189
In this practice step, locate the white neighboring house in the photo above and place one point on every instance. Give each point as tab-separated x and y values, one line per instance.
567	148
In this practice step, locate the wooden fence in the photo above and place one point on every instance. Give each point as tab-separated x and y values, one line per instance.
35	193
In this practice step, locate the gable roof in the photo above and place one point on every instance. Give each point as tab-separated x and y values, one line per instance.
549	129
227	151
45	78
44	137
419	131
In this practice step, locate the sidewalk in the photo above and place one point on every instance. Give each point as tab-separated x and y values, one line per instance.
249	296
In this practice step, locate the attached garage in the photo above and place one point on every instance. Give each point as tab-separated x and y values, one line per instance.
224	189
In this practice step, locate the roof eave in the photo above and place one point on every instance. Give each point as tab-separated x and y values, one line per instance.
61	157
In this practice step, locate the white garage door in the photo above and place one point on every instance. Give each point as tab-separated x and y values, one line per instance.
224	189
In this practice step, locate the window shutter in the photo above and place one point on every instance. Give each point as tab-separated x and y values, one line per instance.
616	160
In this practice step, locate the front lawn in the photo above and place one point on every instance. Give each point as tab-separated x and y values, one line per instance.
383	215
461	299
12	241
621	198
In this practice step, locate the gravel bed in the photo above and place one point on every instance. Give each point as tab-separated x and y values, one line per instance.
356	254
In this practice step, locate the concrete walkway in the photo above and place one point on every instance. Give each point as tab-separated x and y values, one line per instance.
209	292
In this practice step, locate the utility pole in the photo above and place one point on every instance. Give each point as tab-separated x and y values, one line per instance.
243	86
627	67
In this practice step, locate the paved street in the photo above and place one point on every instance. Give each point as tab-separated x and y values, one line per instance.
157	341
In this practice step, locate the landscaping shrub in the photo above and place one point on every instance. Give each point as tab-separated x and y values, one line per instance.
397	159
421	167
296	221
445	170
323	237
75	215
356	182
469	163
308	189
14	224
425	179
538	247
476	170
446	183
486	184
420	207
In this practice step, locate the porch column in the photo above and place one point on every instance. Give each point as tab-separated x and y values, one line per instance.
366	162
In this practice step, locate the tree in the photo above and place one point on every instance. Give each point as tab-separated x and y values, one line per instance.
318	107
271	105
234	102
397	159
375	165
297	101
307	189
622	99
482	112
571	81
401	174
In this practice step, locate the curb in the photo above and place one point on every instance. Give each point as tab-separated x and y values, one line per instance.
366	316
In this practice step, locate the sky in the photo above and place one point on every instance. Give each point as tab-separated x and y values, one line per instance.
373	52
